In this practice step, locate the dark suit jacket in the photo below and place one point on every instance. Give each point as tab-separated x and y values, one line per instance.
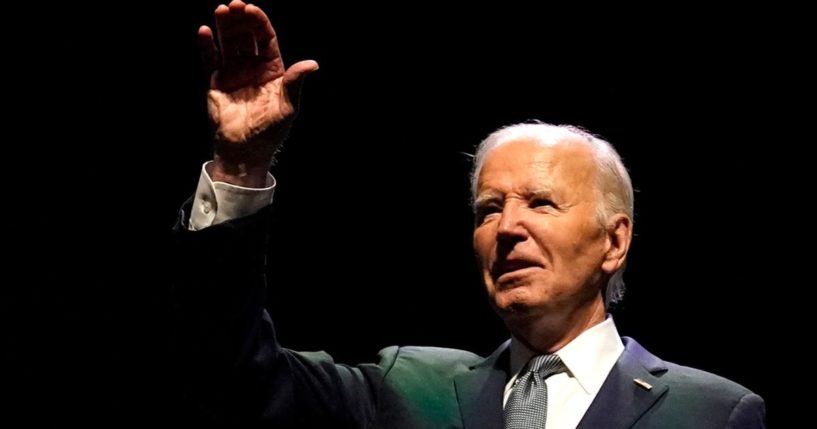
232	369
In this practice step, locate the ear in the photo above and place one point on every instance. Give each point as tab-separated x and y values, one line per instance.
619	236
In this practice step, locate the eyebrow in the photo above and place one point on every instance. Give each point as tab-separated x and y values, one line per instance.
542	192
487	197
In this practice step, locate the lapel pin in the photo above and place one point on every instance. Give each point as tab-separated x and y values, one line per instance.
642	383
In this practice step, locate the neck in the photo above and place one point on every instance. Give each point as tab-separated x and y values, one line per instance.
549	332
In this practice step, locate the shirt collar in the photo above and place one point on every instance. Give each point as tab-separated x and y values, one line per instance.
588	357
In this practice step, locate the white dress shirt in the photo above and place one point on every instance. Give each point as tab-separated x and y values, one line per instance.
588	358
217	202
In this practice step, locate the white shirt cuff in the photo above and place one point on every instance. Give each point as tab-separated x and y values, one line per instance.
217	202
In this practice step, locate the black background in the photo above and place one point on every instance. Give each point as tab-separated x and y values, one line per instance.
374	247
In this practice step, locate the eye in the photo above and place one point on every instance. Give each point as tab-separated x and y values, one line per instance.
486	210
541	202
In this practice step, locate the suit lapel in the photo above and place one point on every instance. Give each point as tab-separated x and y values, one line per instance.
479	391
621	400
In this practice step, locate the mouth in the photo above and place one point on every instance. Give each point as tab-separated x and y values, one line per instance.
511	267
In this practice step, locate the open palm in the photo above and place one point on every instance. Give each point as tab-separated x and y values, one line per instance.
253	97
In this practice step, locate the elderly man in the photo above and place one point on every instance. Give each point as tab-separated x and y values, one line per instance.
554	209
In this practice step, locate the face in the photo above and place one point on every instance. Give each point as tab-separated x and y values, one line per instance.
538	239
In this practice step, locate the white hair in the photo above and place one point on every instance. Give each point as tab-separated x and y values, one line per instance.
613	184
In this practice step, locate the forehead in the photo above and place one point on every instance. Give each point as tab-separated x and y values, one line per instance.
529	164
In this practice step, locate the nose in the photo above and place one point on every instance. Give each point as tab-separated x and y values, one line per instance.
510	228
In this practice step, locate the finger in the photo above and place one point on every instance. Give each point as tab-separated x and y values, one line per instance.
294	78
207	47
234	37
265	37
245	39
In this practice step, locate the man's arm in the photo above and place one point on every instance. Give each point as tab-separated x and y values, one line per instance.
229	362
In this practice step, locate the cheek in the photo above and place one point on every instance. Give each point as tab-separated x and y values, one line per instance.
574	239
483	246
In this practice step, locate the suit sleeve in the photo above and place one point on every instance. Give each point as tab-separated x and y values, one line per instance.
749	413
229	367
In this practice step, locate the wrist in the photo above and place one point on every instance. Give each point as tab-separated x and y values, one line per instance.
246	174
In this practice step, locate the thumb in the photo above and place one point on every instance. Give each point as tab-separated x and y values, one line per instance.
294	78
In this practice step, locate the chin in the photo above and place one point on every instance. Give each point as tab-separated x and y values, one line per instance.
515	302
